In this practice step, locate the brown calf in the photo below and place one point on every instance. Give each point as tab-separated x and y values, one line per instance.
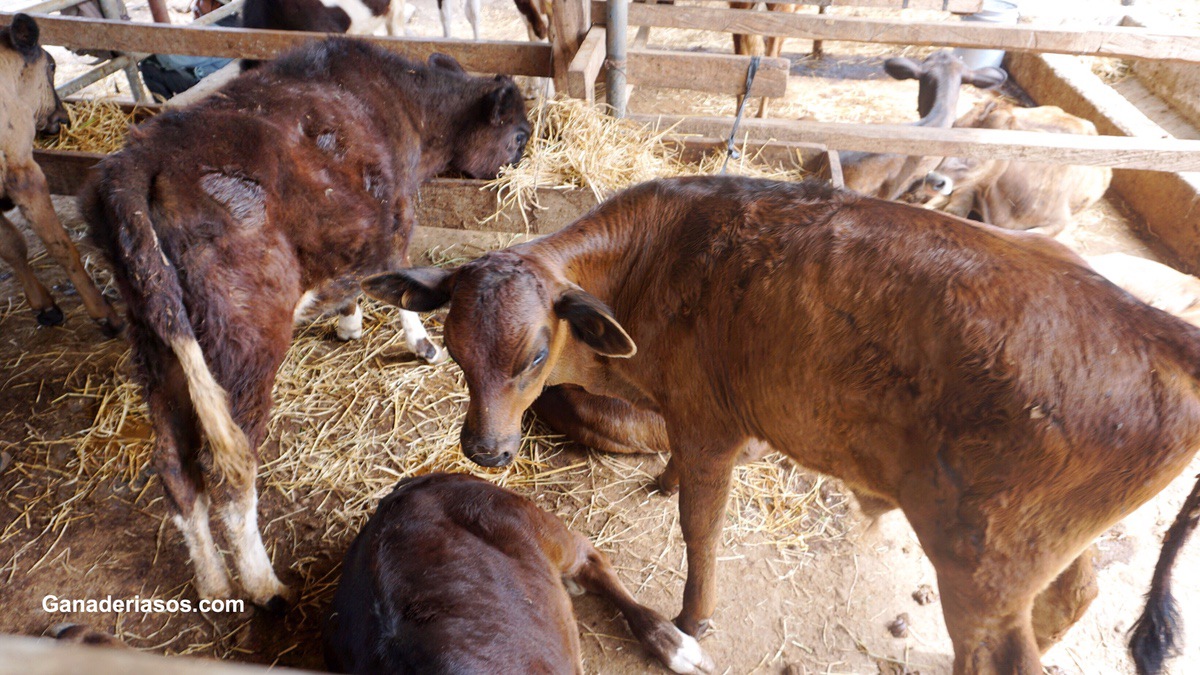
28	104
228	221
941	76
1015	195
453	574
1010	400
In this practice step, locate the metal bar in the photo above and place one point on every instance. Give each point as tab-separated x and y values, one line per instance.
618	24
94	75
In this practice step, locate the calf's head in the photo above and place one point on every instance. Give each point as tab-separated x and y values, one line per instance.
35	78
497	128
941	75
513	328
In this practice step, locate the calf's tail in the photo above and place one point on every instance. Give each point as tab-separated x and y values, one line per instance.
1156	636
120	202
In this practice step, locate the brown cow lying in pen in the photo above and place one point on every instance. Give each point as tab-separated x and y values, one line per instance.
455	575
1012	402
229	220
940	77
1015	195
28	104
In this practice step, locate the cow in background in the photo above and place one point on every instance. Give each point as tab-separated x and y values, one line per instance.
1042	198
941	76
229	220
29	104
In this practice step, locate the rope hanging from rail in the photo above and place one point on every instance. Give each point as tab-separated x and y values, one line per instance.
731	151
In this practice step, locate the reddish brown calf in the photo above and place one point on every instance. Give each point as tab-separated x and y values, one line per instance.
1010	400
455	575
229	220
28	104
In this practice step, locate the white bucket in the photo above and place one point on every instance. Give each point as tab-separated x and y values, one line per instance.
993	11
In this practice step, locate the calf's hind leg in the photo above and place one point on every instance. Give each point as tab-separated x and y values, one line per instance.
176	446
238	506
15	253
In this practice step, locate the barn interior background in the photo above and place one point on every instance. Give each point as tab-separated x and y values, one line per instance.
804	584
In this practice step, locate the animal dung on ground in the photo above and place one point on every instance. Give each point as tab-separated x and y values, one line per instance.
899	626
925	595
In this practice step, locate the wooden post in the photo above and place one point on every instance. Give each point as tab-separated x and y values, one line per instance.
818	49
115	9
571	20
158	10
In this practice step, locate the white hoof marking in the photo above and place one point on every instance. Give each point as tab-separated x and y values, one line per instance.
349	327
689	658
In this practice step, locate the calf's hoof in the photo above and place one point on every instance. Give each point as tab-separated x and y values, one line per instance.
667	482
276	602
73	632
111	328
5	461
51	316
677	650
694	627
430	353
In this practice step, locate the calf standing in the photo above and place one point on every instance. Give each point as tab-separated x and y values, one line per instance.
28	104
454	575
356	17
229	220
1010	400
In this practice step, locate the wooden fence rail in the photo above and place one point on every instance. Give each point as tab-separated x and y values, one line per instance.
1151	154
1116	41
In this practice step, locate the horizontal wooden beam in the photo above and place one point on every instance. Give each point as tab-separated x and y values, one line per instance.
1117	41
953	6
713	73
1152	154
512	58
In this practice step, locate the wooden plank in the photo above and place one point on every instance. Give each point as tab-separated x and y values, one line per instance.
713	73
953	6
1168	203
512	58
1120	41
1153	154
585	67
445	202
570	21
39	656
1177	83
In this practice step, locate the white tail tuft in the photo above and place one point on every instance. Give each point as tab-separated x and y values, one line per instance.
231	452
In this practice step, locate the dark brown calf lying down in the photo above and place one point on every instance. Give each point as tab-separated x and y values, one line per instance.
455	575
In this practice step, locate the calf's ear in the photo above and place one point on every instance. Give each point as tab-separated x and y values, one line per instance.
593	323
419	289
505	103
985	78
23	34
902	68
445	62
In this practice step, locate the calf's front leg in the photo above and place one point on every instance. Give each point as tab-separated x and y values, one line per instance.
15	253
27	188
705	471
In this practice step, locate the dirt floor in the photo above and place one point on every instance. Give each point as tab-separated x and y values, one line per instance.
804	583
